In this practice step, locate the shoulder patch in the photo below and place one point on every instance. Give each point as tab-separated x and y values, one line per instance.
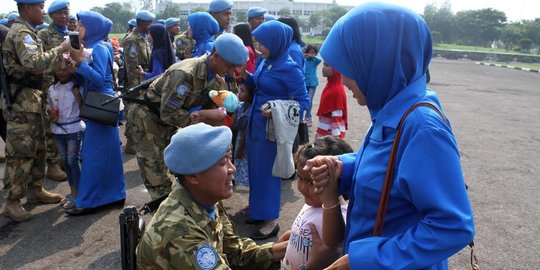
181	90
28	40
206	258
133	49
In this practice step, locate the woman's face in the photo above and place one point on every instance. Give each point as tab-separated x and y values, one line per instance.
357	94
265	53
82	31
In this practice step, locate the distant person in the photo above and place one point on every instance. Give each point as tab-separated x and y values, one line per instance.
312	79
72	23
162	56
332	112
221	10
13	16
383	52
243	31
256	16
203	27
295	50
173	28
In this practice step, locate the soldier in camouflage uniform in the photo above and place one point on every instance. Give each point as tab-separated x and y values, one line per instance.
191	229
173	29
26	62
52	36
136	53
168	103
184	44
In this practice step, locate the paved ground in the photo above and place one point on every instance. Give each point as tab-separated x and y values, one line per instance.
495	116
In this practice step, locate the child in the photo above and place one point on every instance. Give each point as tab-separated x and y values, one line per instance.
64	103
333	107
300	240
245	95
312	81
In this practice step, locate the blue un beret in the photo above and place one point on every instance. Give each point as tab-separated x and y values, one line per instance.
145	15
30	1
256	12
41	26
231	48
171	21
12	16
161	21
268	17
58	5
133	22
4	21
219	5
196	148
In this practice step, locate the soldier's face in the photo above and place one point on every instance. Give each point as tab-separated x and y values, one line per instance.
35	13
60	17
254	22
174	30
216	183
223	18
143	25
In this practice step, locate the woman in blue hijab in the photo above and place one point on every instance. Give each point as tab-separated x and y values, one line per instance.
162	53
102	174
203	28
383	52
277	77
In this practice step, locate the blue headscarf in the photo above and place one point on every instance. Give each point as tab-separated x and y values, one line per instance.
162	47
383	47
97	27
203	27
276	37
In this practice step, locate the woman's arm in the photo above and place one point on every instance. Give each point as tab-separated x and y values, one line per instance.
157	68
97	73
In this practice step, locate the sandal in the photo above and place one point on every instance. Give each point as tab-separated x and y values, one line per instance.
68	202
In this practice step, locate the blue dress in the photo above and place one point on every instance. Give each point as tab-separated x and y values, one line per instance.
102	174
429	217
275	78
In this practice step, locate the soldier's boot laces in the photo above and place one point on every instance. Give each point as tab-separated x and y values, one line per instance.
41	195
56	173
130	147
14	210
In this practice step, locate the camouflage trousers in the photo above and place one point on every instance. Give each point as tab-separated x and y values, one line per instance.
53	156
25	154
150	138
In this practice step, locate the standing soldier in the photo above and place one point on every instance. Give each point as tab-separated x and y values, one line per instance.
221	10
173	29
72	23
51	37
255	16
11	18
184	44
136	54
168	102
25	62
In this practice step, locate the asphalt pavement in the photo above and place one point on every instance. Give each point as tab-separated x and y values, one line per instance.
494	114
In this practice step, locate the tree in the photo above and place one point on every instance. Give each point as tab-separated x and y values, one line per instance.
172	10
441	20
532	31
511	33
525	44
480	27
199	9
335	13
314	20
240	16
284	11
118	13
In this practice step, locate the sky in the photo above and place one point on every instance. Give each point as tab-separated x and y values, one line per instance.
515	9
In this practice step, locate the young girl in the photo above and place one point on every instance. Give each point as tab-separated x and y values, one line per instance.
64	102
333	107
312	81
245	95
300	240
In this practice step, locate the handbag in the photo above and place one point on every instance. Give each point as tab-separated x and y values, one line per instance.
389	177
93	110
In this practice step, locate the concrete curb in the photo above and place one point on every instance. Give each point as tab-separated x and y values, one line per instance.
508	66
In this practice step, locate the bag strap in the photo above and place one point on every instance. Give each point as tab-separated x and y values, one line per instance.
389	178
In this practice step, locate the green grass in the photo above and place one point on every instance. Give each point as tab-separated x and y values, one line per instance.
474	48
313	40
531	66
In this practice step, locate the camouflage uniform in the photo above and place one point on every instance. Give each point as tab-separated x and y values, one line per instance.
25	62
136	53
181	235
179	89
182	43
51	38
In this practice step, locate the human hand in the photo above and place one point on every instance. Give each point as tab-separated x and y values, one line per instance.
76	55
195	117
285	236
139	70
53	114
278	250
341	264
319	254
64	46
324	172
